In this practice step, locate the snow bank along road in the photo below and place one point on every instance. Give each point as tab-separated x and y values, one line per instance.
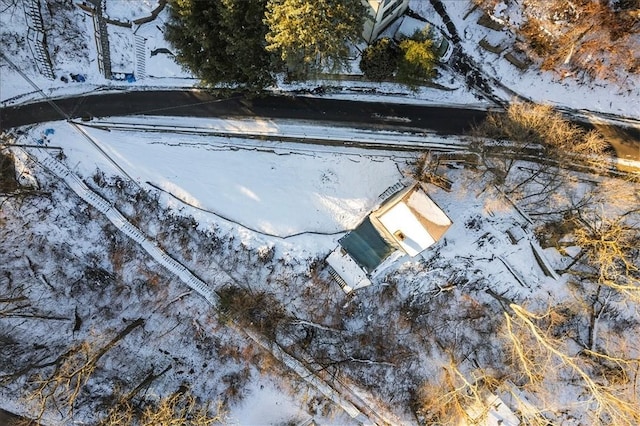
337	392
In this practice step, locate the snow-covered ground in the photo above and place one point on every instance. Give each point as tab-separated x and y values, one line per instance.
539	86
72	253
313	180
227	186
267	213
279	190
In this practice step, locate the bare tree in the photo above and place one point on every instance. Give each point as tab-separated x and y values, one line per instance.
536	353
610	252
455	398
71	371
579	38
533	151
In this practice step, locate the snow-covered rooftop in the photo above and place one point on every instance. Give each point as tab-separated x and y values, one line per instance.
412	220
352	274
409	26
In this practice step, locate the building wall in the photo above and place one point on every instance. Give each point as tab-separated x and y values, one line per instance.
381	14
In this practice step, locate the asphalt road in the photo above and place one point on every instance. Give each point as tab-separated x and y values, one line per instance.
195	103
441	120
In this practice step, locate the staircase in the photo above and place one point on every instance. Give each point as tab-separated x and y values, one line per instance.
390	191
303	365
341	394
38	39
102	38
126	227
337	278
141	53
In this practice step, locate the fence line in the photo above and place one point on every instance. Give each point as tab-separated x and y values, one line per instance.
101	36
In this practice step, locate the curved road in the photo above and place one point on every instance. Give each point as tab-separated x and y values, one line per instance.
204	104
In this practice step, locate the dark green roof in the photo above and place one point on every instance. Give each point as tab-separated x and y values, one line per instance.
366	246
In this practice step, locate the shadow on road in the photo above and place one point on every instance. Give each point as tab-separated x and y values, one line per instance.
625	141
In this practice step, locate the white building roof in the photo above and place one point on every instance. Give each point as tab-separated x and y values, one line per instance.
352	274
407	230
420	202
409	26
409	220
414	221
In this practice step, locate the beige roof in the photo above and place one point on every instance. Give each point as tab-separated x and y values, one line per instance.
412	220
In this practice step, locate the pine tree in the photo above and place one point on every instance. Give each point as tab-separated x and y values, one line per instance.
314	34
379	61
221	41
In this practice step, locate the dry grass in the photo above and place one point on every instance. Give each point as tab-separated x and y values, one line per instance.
455	398
179	409
71	371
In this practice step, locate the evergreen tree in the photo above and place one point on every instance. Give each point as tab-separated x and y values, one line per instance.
221	41
379	61
314	34
418	59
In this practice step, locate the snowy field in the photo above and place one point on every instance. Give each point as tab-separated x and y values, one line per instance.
279	190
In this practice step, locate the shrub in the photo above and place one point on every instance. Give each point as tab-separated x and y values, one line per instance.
258	310
8	182
379	60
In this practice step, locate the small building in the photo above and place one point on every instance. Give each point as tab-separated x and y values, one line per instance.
346	271
408	221
381	14
411	220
